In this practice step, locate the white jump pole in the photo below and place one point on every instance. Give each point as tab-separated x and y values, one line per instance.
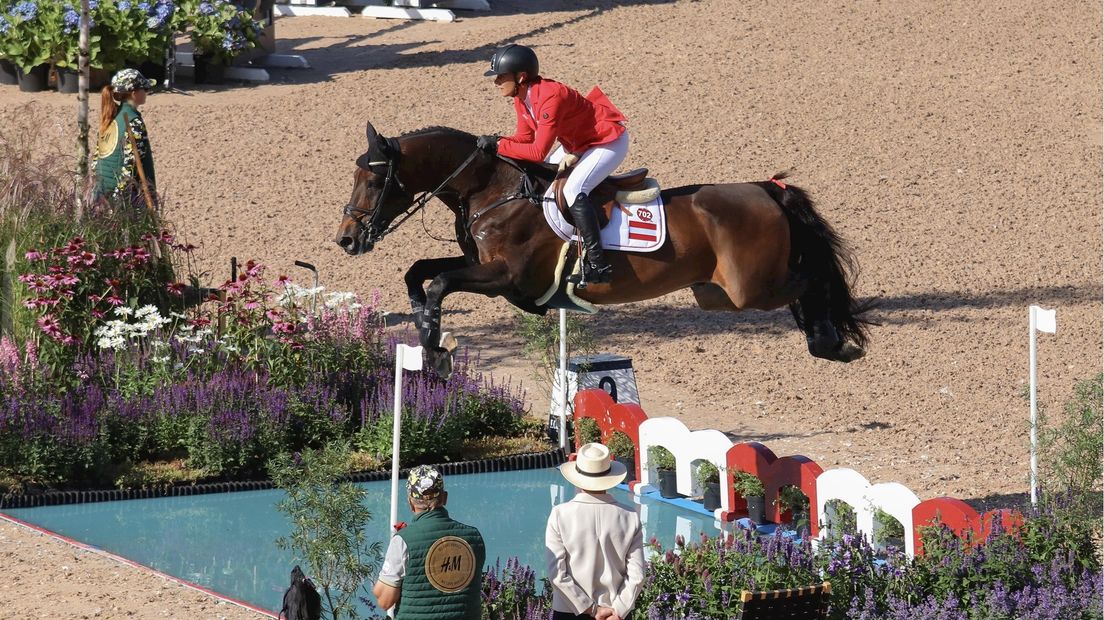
408	358
1041	320
563	378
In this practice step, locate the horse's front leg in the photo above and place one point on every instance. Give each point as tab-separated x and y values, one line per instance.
421	271
491	279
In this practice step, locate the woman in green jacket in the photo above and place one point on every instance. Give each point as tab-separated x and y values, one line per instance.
122	131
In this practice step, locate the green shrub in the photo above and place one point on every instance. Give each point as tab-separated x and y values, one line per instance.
889	528
845	521
707	472
747	485
661	458
588	431
621	445
328	520
1070	451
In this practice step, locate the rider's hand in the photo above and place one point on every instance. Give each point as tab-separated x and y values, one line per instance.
568	161
487	143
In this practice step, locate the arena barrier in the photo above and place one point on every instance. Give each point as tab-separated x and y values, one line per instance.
842	484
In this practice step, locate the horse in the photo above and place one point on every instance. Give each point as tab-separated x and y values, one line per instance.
759	245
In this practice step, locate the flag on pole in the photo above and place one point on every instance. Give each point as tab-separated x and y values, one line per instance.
410	358
1045	320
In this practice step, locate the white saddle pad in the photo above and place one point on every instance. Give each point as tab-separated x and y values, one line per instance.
642	229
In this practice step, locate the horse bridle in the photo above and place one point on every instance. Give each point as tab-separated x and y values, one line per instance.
372	232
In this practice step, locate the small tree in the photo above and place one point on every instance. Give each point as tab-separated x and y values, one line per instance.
328	518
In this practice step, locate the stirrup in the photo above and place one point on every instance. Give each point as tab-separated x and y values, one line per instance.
591	275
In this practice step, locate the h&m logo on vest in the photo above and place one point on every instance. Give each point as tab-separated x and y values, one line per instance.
450	564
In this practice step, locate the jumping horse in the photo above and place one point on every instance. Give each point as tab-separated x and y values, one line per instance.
755	245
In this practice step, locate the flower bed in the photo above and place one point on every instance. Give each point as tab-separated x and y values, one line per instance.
122	32
1037	573
115	373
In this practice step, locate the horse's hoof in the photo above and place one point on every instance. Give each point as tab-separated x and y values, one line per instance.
849	352
441	360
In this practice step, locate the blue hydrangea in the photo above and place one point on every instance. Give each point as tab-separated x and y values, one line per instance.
205	8
93	5
124	5
72	20
233	23
144	6
26	10
233	41
5	25
154	23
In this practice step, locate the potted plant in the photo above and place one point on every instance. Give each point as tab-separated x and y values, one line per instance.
664	463
888	531
792	500
33	33
220	30
750	488
588	431
623	449
709	478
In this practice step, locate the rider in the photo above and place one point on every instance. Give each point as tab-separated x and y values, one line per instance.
590	129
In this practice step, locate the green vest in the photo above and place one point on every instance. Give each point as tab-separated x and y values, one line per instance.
114	157
451	589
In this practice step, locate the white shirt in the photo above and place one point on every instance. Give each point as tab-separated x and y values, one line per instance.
394	563
594	550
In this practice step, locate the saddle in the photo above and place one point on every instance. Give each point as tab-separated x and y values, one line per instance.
633	187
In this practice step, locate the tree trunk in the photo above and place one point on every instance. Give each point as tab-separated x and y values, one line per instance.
82	102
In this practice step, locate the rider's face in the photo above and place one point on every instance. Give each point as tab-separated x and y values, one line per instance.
505	84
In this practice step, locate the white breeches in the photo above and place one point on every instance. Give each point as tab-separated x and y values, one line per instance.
594	165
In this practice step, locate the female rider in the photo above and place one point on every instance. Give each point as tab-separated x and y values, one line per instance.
591	132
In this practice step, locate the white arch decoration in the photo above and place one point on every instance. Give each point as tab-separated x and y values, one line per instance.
853	489
687	446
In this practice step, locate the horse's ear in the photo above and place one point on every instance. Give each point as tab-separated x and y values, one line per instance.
370	131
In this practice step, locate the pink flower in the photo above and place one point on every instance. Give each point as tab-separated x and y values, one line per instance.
114	300
282	281
34	255
50	326
87	259
166	237
283	327
252	304
175	288
98	314
187	248
120	254
199	321
112	282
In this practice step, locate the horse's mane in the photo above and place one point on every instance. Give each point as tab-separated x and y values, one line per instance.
436	129
543	171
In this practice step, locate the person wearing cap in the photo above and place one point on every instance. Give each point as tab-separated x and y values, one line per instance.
433	568
594	546
592	136
117	174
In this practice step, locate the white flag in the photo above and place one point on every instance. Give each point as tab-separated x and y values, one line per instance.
1045	320
410	358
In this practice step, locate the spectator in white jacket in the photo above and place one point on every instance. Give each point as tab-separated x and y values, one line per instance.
594	546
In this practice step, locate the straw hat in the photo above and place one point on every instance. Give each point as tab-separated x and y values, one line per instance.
592	469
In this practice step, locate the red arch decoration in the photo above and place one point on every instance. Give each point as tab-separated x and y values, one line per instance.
961	518
775	472
596	404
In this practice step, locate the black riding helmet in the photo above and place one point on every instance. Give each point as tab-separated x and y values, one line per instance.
514	58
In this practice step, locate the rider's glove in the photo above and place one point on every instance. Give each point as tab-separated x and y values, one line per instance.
487	143
568	161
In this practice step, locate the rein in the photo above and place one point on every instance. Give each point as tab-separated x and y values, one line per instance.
416	205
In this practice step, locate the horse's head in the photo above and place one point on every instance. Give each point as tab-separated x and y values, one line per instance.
378	196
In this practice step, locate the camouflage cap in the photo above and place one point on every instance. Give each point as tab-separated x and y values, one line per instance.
130	80
425	482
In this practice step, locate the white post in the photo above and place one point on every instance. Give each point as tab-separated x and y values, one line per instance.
1041	320
563	378
1031	389
409	358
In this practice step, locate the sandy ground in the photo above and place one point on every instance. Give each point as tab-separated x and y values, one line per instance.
956	146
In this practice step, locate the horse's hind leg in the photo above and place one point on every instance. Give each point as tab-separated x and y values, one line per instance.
813	315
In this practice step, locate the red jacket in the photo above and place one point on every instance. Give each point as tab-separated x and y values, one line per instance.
562	113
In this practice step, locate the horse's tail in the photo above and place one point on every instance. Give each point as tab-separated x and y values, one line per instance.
824	257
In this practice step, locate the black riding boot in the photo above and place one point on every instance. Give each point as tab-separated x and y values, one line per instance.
595	268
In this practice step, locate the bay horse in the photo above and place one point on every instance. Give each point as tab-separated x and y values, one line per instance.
755	245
